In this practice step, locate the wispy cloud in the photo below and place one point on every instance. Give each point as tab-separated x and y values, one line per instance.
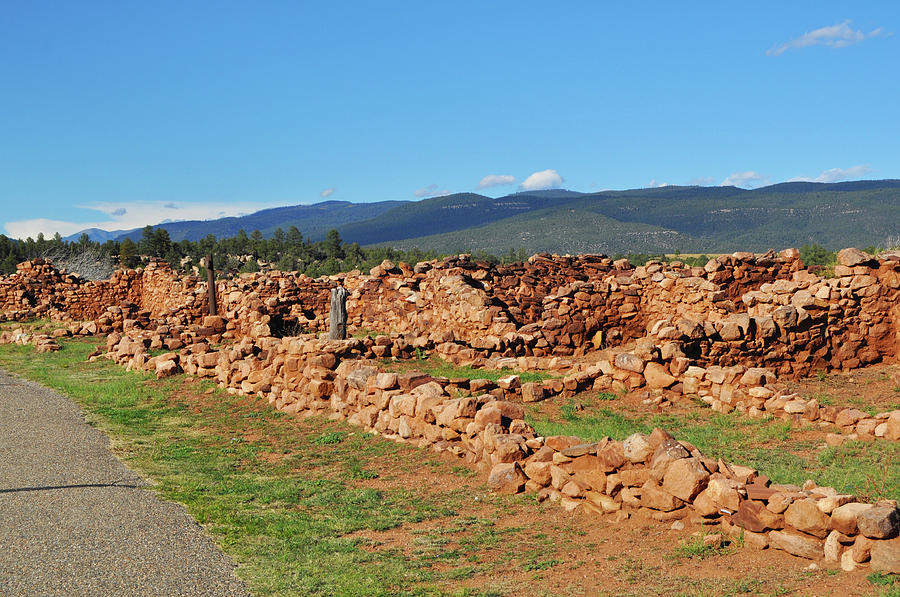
496	180
655	185
545	179
836	174
745	179
431	190
701	181
835	36
327	193
126	215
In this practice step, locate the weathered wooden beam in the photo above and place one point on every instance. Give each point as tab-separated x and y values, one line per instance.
337	319
211	284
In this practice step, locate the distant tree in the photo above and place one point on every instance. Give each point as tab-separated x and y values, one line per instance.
333	248
250	267
294	237
816	254
161	243
8	265
127	253
286	264
241	242
145	245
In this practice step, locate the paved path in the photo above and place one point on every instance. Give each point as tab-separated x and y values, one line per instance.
75	521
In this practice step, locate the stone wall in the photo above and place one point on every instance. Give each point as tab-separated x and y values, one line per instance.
725	334
765	311
668	479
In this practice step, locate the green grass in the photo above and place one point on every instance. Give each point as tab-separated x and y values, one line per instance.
437	367
315	507
888	585
695	549
287	499
865	468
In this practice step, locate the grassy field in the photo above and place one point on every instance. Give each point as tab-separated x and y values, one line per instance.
437	367
787	454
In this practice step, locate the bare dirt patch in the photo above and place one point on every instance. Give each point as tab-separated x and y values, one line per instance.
874	389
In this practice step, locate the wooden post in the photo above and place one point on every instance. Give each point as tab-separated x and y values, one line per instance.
211	285
337	320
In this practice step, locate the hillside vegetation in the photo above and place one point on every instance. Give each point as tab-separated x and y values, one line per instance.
667	219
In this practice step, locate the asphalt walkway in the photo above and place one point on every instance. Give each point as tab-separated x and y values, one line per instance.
75	521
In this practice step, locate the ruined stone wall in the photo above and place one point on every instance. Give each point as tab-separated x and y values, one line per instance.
757	311
438	301
38	289
655	473
761	311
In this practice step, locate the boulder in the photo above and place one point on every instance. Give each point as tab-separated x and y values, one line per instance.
851	257
637	447
805	516
538	472
507	477
886	556
629	362
724	493
611	456
879	522
796	544
892	429
844	518
532	392
655	497
657	377
685	478
754	517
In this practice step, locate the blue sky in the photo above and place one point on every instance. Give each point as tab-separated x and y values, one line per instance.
120	114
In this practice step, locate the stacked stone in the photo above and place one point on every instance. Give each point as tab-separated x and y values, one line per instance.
442	303
758	311
40	342
669	480
672	480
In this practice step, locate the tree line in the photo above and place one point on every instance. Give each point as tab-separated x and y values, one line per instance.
285	250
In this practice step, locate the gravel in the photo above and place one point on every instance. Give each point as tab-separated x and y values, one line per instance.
75	521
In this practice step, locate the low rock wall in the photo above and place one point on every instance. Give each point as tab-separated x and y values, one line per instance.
670	480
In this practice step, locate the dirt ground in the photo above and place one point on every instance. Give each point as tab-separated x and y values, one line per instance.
583	554
875	388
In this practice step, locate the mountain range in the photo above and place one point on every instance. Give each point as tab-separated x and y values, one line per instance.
689	219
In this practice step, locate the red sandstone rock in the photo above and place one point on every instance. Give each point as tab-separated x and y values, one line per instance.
803	546
507	478
804	516
885	556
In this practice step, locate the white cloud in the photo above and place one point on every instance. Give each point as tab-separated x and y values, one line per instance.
431	190
494	180
745	179
701	181
327	193
128	215
835	174
655	185
545	179
836	36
